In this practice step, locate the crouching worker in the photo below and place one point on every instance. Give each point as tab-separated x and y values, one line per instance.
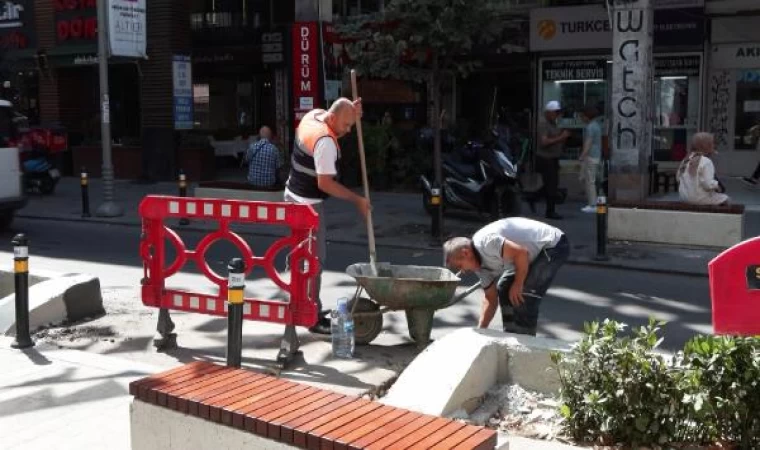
516	260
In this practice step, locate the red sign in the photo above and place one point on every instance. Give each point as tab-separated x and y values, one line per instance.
305	68
76	20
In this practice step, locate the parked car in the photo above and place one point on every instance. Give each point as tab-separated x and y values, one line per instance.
12	195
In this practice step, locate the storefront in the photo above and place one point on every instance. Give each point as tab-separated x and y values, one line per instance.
733	102
583	78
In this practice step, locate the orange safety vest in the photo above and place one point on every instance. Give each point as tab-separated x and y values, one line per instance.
303	175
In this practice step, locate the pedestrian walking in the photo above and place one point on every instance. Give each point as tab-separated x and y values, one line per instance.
551	144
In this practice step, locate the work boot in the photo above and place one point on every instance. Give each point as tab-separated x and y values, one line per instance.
323	324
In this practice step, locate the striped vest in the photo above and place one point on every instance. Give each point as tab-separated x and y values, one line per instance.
303	176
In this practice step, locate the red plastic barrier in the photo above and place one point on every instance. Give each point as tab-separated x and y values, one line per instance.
298	309
735	289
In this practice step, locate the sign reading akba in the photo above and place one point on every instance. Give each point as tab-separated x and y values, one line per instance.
736	56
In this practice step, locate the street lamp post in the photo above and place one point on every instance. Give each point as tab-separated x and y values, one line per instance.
109	208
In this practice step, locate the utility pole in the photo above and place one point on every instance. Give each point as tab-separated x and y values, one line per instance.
109	208
632	108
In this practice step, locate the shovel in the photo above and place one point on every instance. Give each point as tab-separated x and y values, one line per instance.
382	269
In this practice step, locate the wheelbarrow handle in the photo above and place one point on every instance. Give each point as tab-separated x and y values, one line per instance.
460	297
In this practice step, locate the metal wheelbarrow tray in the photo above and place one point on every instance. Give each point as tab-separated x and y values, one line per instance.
417	290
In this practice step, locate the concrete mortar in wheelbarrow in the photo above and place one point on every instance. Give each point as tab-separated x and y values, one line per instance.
417	290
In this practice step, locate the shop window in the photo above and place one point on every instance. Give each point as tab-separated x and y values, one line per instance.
575	84
201	105
677	104
748	110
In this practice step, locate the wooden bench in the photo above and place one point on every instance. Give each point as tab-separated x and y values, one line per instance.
200	397
235	190
676	223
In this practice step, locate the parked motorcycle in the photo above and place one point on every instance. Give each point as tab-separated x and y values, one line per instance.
478	177
40	174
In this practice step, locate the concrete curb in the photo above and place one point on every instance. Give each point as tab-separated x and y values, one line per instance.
54	299
573	261
457	370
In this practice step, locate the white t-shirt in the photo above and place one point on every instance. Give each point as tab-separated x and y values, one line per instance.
489	242
325	159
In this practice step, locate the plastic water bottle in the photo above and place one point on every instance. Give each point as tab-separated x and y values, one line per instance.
342	330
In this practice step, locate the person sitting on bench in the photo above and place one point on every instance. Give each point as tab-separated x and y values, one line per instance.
696	174
264	162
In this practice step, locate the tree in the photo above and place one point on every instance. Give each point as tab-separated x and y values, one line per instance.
421	40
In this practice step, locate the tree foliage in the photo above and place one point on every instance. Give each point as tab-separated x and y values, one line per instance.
414	39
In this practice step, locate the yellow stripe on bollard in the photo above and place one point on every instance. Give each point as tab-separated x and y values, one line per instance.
601	210
21	266
235	296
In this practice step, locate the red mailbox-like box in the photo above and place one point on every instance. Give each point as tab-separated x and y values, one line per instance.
735	289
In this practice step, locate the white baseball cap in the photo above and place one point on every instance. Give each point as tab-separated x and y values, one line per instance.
553	106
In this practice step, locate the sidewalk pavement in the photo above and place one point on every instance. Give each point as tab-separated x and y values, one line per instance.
69	399
400	221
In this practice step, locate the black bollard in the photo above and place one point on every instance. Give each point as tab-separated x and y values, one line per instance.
601	229
21	279
183	193
85	182
235	294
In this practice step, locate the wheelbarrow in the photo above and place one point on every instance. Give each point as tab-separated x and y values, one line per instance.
418	291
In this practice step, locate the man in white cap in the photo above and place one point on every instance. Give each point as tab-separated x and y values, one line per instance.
551	142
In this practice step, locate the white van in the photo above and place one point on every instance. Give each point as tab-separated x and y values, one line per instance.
11	190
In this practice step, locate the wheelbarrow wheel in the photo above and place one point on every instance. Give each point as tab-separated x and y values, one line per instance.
366	328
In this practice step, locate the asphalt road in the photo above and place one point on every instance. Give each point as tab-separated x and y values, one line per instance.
579	293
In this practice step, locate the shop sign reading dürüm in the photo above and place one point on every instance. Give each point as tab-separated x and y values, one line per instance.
305	68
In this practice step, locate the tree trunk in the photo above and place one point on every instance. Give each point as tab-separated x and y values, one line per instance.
437	160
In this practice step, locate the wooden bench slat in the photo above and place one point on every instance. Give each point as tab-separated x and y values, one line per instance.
224	379
420	433
384	430
194	402
440	435
456	438
144	388
367	427
262	392
153	393
315	435
260	418
240	416
212	407
134	386
482	440
275	429
301	432
406	430
165	391
171	396
288	430
333	438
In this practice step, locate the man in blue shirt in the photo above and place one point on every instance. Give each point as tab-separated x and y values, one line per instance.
264	161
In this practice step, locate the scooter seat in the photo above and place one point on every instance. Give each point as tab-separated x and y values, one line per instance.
463	169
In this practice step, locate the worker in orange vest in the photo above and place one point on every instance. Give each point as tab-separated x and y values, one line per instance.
314	173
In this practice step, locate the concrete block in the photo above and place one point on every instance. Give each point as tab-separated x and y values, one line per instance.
53	299
675	227
239	194
457	370
155	427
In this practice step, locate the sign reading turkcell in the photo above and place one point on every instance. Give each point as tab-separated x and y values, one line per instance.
183	92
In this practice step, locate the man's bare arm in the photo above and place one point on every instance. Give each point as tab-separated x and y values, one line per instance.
490	303
329	186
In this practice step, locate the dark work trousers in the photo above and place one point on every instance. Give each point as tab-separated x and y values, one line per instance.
756	173
523	319
549	170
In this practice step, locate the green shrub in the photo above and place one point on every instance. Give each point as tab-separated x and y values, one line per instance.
616	390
